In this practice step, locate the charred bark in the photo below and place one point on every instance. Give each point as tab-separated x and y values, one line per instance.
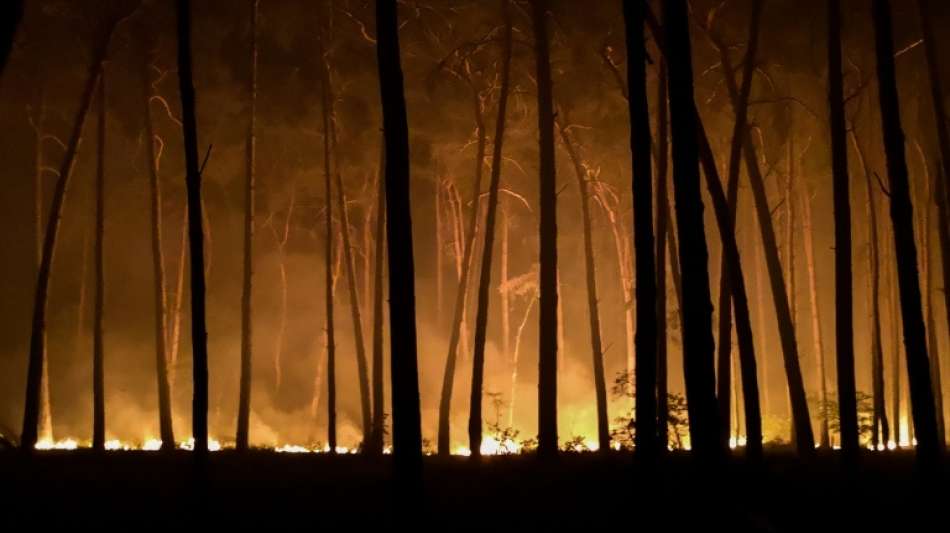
98	329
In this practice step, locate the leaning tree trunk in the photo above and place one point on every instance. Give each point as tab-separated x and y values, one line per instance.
732	194
874	282
484	278
166	431
597	351
662	228
247	326
98	329
37	360
844	329
548	283
10	17
698	345
824	438
376	444
790	242
457	335
39	199
407	431
902	216
199	333
641	188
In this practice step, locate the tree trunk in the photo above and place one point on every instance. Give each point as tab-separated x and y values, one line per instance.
37	360
379	416
458	333
824	439
407	432
175	326
328	256
698	345
662	230
641	188
514	357
844	329
484	280
11	15
199	333
896	356
597	351
247	326
922	396
98	330
732	194
438	248
548	284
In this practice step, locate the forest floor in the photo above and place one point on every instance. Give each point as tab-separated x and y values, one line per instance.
135	489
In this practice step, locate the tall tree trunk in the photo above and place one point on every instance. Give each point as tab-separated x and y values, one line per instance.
732	194
922	396
698	345
10	17
407	431
98	331
548	283
175	320
874	282
824	438
641	188
484	279
37	360
458	333
328	257
844	329
514	357
597	351
896	355
760	307
379	402
662	229
790	246
247	326
166	431
199	333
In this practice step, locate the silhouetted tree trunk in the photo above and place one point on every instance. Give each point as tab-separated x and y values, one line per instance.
376	445
895	354
407	431
484	279
732	194
844	329
247	326
458	333
166	431
548	283
9	20
922	396
597	351
641	188
37	360
698	345
662	229
199	333
328	257
175	320
98	330
824	438
789	202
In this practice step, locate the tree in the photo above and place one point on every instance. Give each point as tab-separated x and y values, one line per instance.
376	442
905	248
330	285
484	278
98	350
697	329
819	347
548	285
407	431
199	333
844	329
37	360
247	326
662	231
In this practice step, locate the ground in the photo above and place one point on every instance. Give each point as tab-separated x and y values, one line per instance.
141	489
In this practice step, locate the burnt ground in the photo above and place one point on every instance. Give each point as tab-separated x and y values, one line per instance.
134	490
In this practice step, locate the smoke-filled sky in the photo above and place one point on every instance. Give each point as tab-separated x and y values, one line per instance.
451	54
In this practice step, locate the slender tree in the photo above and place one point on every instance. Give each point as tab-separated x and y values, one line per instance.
98	331
376	444
697	330
662	229
844	329
328	265
407	431
247	326
915	344
548	283
37	359
640	149
484	278
199	332
824	439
